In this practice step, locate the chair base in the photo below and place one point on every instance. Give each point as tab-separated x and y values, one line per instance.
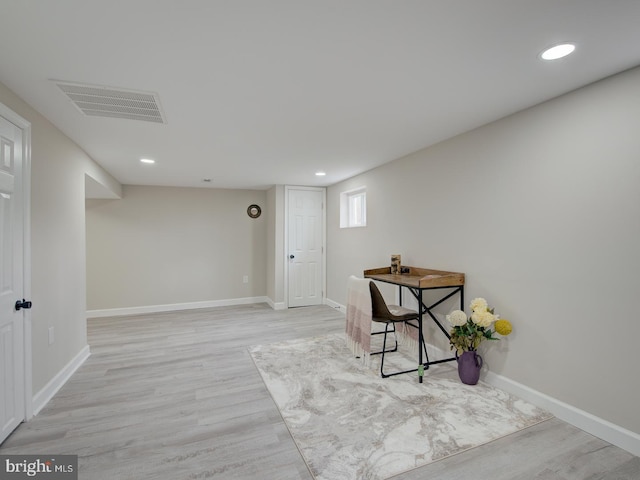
422	344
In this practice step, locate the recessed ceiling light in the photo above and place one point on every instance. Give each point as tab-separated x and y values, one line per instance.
147	160
558	51
320	174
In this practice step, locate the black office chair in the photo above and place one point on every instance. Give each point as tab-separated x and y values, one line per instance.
390	315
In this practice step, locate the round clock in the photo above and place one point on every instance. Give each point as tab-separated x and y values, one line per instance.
254	211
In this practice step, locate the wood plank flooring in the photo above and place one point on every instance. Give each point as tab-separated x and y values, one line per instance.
176	396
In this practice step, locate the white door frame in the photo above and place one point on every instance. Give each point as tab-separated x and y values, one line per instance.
25	126
287	188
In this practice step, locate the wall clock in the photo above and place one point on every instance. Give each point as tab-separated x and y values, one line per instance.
254	211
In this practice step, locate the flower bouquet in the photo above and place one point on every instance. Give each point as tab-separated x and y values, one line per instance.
469	332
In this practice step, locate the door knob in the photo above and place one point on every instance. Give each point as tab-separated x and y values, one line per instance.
22	304
292	256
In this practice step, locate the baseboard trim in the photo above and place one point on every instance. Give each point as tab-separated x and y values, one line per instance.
120	312
596	426
335	305
41	398
276	305
610	432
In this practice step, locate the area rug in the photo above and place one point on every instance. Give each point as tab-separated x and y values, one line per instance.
349	423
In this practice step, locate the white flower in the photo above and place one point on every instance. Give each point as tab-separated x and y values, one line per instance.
479	304
457	318
483	318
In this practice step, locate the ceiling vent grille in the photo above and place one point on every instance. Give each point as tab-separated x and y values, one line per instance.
97	101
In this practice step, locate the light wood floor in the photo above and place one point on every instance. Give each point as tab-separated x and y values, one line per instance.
176	396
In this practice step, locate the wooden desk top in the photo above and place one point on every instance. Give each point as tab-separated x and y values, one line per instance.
417	277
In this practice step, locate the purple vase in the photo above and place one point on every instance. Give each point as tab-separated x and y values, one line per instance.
469	365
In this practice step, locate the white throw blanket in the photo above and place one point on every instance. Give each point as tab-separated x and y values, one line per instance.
358	319
359	323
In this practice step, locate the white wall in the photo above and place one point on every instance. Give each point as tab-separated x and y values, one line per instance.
58	169
166	246
541	210
275	246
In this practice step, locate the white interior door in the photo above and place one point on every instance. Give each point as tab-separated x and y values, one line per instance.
12	368
305	246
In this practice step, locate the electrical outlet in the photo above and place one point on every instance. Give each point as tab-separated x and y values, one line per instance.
51	335
245	279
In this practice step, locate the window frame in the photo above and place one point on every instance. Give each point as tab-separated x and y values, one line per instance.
351	214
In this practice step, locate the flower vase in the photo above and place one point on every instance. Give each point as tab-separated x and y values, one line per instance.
469	365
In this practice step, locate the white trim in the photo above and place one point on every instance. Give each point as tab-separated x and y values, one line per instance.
610	432
285	225
335	305
118	312
25	126
276	306
41	398
28	353
599	427
345	207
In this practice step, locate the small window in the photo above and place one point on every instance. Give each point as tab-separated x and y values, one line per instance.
353	208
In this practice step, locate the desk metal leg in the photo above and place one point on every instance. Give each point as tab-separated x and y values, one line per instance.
421	344
420	340
423	361
417	293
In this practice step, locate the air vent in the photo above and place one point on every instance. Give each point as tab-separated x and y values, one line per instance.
97	101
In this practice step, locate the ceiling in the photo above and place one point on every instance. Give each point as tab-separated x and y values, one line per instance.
264	92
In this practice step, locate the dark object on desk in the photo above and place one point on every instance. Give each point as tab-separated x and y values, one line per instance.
389	315
395	263
404	270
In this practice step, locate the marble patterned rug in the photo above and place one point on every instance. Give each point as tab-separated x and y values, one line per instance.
349	423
